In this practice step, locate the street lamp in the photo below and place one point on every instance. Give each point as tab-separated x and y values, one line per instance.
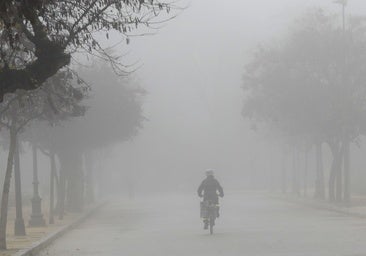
346	191
36	216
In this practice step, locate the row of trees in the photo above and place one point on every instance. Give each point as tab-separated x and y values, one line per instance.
68	122
51	102
46	104
310	90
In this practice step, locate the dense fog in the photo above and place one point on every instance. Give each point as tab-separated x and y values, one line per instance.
192	70
119	116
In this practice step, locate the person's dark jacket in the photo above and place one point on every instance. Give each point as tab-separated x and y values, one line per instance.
209	188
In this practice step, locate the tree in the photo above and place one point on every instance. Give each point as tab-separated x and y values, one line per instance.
15	121
114	114
38	36
312	89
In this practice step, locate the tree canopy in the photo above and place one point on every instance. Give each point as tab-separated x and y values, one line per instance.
311	89
38	36
312	85
113	114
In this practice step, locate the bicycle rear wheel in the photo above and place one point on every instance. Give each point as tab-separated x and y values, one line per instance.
212	224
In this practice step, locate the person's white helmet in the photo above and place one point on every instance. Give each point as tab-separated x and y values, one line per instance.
210	172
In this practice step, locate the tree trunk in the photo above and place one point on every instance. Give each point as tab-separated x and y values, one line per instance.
335	184
75	187
5	194
284	174
339	175
57	186
339	187
293	185
306	172
319	183
347	174
295	173
61	194
19	228
75	191
72	169
52	189
89	183
100	180
332	177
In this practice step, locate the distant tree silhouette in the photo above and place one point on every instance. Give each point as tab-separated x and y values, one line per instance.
311	90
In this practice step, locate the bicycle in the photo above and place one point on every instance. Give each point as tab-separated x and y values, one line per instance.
209	213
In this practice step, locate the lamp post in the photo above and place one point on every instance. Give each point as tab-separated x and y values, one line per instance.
346	191
343	4
36	216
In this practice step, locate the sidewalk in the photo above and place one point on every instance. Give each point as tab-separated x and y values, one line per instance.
38	236
357	208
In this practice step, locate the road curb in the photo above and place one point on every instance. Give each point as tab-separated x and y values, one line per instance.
321	206
36	247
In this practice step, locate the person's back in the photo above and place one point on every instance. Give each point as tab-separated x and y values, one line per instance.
209	188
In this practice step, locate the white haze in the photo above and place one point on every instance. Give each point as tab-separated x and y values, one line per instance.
192	70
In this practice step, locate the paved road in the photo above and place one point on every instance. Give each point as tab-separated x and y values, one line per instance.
250	224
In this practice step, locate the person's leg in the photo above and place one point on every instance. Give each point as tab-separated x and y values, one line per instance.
205	223
216	201
205	217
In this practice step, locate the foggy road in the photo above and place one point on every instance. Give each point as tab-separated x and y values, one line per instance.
250	224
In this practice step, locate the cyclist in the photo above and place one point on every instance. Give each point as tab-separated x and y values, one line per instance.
208	190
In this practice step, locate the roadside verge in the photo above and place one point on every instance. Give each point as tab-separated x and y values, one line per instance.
36	247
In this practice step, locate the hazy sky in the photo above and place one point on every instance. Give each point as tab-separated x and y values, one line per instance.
192	71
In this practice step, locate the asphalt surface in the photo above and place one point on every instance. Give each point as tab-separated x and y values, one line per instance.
250	224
